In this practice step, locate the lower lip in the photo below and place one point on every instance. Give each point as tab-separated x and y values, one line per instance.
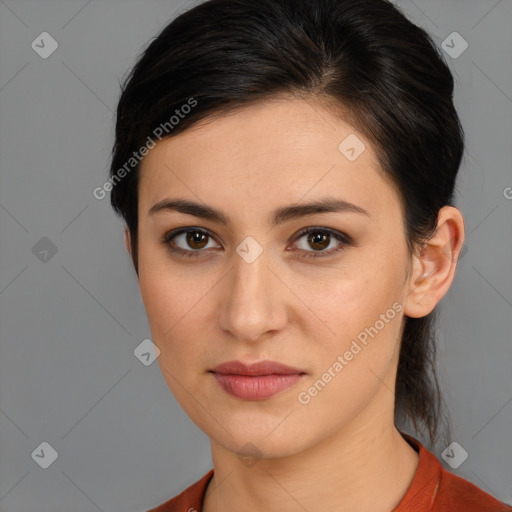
256	387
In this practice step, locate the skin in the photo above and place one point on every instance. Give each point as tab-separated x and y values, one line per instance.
341	451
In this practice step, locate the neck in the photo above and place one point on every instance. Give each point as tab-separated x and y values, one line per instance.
358	469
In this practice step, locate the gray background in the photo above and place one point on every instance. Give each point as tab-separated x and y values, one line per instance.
70	324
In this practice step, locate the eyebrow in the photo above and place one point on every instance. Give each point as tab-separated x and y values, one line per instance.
279	216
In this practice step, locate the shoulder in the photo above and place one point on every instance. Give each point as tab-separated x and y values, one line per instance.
190	500
456	493
436	489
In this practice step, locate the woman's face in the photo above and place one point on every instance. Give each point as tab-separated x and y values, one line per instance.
249	288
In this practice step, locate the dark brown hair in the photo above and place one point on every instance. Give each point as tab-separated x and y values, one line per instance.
384	75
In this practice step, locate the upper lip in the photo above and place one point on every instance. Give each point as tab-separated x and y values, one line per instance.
260	368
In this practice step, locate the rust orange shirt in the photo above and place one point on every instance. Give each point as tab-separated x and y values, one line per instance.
433	489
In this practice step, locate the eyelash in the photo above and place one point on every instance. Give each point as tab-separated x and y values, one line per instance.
341	237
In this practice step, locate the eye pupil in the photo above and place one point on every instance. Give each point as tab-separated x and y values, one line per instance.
192	239
318	239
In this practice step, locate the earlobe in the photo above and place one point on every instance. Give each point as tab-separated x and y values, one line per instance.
127	241
128	245
433	269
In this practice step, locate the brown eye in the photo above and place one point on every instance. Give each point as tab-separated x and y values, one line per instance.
320	239
196	237
187	242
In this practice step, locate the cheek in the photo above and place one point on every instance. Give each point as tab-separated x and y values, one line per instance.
363	313
175	304
162	297
354	364
158	296
160	287
349	305
173	324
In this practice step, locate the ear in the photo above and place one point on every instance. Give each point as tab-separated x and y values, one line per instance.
128	245
433	269
127	241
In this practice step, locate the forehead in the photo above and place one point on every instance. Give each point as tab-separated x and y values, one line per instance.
276	151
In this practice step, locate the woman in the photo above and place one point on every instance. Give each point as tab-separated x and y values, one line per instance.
286	170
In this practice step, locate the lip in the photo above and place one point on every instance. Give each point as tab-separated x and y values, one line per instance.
255	369
255	381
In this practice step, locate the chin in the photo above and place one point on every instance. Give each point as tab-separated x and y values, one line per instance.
257	443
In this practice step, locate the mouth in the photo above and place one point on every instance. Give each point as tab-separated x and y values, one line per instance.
256	381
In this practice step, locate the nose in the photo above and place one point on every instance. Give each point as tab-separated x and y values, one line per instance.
254	303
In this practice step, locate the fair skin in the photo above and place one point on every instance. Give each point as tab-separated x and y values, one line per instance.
341	450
